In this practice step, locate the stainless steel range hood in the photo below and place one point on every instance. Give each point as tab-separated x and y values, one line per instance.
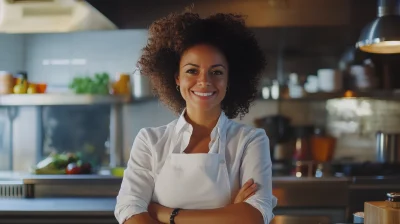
44	16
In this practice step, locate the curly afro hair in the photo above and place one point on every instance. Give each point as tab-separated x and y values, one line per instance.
169	37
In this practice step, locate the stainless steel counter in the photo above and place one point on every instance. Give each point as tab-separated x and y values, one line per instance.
58	210
54	206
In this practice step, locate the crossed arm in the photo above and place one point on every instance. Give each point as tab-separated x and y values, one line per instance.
238	212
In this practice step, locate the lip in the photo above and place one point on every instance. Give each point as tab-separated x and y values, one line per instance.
204	97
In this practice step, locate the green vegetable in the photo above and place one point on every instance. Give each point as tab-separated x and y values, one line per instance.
55	163
86	85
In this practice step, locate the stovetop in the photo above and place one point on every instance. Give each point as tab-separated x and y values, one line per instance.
366	169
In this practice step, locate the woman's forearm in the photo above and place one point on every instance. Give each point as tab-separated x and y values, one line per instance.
142	218
235	213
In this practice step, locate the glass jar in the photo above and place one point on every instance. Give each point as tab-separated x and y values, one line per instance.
122	86
6	82
322	146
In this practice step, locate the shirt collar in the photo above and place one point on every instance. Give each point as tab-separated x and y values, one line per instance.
183	124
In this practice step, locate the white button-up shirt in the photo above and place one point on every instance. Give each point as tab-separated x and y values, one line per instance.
247	156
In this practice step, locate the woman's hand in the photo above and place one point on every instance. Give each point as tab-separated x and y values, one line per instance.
159	212
248	190
162	213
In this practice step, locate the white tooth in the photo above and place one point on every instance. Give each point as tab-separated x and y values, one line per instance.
203	94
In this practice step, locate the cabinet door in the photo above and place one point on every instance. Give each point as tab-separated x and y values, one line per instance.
288	219
309	215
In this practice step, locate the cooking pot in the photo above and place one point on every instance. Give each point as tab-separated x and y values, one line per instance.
387	147
142	87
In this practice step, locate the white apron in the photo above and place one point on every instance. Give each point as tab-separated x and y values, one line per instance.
194	181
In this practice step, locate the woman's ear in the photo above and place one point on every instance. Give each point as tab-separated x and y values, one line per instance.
177	79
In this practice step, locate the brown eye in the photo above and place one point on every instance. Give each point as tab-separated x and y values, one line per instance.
191	71
217	72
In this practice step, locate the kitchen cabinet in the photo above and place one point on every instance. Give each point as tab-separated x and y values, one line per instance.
58	210
309	215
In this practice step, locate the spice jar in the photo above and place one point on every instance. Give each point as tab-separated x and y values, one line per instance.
393	200
123	84
6	82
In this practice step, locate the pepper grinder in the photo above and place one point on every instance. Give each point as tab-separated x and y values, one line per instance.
393	200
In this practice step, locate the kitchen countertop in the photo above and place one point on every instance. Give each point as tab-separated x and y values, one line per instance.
71	206
105	205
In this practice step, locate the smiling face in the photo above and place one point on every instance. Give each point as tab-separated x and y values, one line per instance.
203	77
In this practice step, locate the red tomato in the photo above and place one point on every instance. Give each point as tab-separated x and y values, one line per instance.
72	168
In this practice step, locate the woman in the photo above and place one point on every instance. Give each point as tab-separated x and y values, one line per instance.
202	167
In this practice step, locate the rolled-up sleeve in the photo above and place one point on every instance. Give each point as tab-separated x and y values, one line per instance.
256	164
138	182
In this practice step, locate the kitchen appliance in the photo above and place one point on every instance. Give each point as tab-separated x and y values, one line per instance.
43	16
385	212
382	36
278	129
388	147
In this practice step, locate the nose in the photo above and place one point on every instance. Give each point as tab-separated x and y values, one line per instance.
204	79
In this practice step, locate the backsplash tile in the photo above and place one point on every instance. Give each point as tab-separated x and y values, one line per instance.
12	52
354	122
102	51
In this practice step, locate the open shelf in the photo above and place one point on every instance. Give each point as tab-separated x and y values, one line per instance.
320	96
60	99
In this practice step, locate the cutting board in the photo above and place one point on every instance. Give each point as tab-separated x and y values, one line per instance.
378	212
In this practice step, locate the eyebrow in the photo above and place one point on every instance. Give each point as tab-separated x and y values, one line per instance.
213	66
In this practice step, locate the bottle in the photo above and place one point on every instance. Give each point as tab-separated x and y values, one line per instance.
275	90
295	89
21	86
302	151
